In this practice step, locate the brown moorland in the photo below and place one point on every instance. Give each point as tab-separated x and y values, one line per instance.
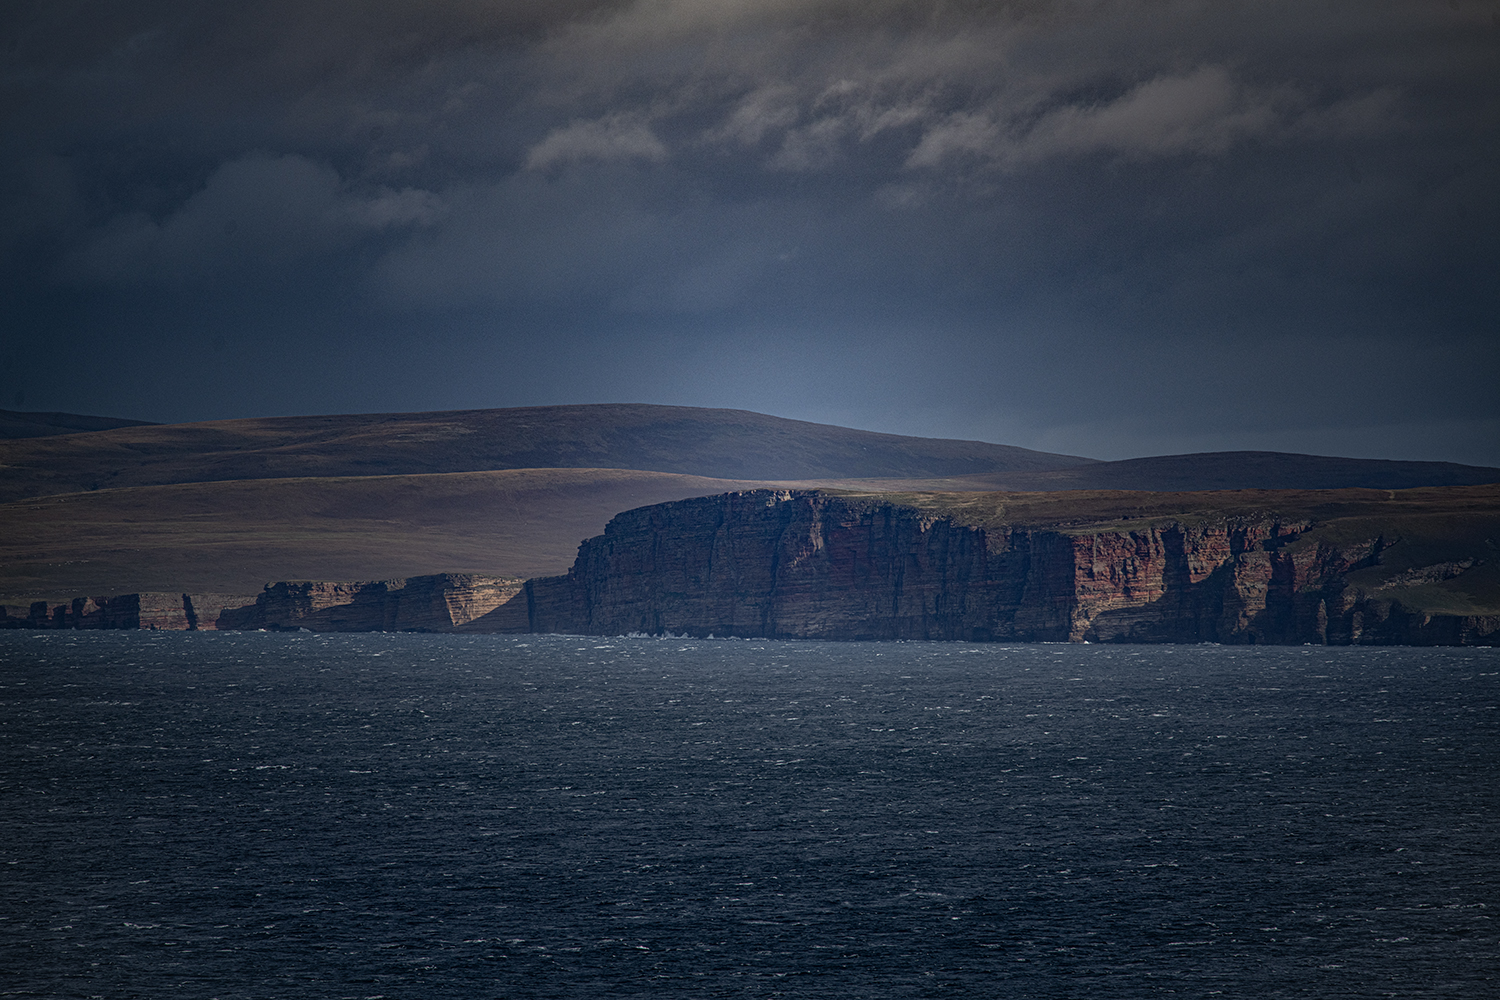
720	444
235	537
230	505
1439	547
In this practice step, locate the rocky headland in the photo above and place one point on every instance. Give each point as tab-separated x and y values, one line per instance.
1328	567
1335	567
223	506
443	602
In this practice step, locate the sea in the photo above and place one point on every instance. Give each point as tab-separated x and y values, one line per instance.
402	816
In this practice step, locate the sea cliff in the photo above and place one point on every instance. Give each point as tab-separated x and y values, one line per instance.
1336	567
815	565
443	602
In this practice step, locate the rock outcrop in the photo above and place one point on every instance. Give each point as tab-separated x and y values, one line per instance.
1338	567
169	611
813	565
444	602
439	603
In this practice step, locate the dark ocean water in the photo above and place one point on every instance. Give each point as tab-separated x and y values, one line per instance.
417	816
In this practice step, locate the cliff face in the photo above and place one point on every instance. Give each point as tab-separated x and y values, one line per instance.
1334	567
438	603
442	603
819	566
122	611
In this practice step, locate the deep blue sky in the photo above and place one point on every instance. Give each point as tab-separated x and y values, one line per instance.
1109	229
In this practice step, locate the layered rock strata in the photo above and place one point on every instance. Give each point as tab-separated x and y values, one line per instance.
811	565
444	602
150	610
1342	567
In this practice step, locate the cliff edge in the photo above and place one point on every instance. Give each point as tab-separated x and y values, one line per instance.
1288	567
1335	567
442	602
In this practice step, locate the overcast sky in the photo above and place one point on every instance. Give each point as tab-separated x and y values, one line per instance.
1109	229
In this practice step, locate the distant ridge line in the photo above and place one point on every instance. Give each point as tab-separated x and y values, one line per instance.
1268	470
28	424
722	444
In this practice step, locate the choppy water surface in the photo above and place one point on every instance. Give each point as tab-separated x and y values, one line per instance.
267	815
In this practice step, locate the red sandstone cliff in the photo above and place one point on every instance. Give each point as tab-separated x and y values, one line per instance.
820	566
1348	566
442	603
438	603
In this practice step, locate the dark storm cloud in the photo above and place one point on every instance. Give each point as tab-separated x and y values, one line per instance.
1105	228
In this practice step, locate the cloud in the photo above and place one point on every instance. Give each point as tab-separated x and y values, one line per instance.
1379	112
387	209
614	137
638	26
960	132
1202	113
255	215
816	146
584	239
762	111
1131	171
810	85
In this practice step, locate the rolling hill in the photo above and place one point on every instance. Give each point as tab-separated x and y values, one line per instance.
230	505
24	424
721	444
1235	470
